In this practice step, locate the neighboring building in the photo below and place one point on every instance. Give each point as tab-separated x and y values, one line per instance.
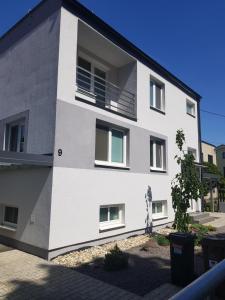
209	156
209	153
87	131
220	154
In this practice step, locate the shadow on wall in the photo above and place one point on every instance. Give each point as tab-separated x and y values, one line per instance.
31	22
48	281
148	219
29	189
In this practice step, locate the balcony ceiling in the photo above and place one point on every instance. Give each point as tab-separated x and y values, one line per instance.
100	46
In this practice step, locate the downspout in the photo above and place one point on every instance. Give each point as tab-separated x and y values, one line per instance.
200	147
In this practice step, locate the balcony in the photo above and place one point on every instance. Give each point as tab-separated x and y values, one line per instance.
106	76
105	94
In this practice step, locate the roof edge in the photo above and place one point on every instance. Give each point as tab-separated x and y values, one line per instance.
205	142
93	20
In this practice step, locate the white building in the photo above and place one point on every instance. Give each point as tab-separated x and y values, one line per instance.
87	130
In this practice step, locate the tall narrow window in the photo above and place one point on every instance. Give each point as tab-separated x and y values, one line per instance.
157	154
110	146
192	151
210	159
157	95
190	106
15	136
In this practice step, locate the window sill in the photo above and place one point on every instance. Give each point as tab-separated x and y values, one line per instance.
111	166
158	110
158	218
155	170
12	229
193	116
111	227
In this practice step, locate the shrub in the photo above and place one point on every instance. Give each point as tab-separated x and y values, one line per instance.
116	260
200	231
208	207
161	240
211	228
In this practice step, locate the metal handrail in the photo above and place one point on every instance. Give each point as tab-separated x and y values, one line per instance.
106	84
204	285
106	81
106	93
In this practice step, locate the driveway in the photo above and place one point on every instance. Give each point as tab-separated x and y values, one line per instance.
24	276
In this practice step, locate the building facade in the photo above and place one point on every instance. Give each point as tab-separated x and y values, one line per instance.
87	132
209	155
220	155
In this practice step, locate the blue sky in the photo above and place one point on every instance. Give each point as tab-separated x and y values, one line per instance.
186	37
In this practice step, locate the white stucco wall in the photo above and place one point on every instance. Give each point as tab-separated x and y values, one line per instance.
79	192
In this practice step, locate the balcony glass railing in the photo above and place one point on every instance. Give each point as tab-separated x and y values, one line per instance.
105	94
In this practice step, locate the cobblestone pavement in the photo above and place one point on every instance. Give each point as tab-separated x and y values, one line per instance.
219	222
24	276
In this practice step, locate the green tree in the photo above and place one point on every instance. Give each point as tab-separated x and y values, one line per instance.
185	186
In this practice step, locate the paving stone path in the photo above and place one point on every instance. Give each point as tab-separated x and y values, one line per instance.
24	277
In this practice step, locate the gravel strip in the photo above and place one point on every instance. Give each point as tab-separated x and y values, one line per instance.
80	257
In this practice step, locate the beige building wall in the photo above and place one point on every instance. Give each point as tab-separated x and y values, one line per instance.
208	149
220	156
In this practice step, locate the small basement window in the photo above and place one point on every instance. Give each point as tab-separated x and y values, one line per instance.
10	216
159	209
111	216
190	106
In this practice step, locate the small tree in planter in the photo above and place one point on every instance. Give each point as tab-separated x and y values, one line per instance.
185	186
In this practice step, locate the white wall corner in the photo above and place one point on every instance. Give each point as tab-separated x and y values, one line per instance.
67	56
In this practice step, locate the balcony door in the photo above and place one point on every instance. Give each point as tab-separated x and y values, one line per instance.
92	79
99	86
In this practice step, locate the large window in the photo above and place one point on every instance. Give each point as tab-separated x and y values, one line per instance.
159	209
157	154
190	107
111	216
91	78
157	100
110	146
10	216
15	136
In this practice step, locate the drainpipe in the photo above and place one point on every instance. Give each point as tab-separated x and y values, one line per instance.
200	148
